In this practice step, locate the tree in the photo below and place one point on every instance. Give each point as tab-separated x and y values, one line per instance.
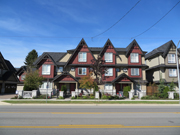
32	81
172	86
87	82
30	58
98	69
161	86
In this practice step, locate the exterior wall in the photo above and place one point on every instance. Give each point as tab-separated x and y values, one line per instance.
122	59
66	57
156	76
48	62
143	59
121	72
76	72
109	49
140	73
20	79
95	55
20	88
161	60
153	62
109	78
74	59
143	74
143	87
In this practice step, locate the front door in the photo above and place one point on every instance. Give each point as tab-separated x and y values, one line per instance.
117	87
72	86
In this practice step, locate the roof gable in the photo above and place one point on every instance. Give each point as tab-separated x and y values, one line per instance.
3	63
123	75
65	73
81	43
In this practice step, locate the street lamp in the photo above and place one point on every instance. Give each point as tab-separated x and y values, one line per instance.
178	70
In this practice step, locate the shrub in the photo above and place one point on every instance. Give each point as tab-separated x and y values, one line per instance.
172	86
104	97
133	98
176	95
116	97
79	97
92	97
73	97
61	97
64	88
125	91
20	97
85	97
26	88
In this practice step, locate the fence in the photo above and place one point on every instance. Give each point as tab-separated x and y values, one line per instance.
151	90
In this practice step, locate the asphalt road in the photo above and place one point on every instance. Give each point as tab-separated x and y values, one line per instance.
89	120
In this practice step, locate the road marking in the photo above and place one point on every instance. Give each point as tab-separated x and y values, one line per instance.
90	126
92	112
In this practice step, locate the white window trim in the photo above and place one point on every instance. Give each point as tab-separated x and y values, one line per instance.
108	73
171	73
82	70
134	72
109	85
47	72
170	58
109	59
134	58
82	60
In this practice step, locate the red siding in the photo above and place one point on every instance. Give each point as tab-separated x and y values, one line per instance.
123	79
109	49
140	73
109	78
48	62
74	59
20	77
76	72
135	49
67	78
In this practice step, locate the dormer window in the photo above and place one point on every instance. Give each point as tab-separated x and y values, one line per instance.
82	57
134	58
46	69
109	57
171	58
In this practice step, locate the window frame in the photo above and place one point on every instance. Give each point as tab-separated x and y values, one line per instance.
107	74
82	59
82	70
23	77
131	55
45	85
47	73
170	61
108	86
171	74
108	54
59	69
134	71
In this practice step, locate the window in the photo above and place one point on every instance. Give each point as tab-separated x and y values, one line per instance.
171	58
46	69
172	73
109	57
109	72
44	85
82	57
72	69
138	87
60	69
81	71
108	86
134	58
134	71
23	77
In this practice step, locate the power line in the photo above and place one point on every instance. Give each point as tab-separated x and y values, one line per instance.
117	21
157	21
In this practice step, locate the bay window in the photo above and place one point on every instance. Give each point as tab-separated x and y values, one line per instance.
81	71
134	58
109	72
135	71
82	57
172	73
46	69
108	57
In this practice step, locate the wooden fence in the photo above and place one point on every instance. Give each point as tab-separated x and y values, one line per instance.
151	90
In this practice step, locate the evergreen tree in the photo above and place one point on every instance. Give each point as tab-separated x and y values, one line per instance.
161	86
172	86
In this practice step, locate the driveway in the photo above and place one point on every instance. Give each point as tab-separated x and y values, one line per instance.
6	96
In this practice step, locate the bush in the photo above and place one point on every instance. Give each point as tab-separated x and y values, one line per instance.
125	91
116	97
85	97
133	98
15	97
26	88
20	97
61	97
104	97
176	95
73	97
64	88
92	97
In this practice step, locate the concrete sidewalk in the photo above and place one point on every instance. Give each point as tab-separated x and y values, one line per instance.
6	96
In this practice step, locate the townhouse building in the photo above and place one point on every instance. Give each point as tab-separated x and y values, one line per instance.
126	67
162	64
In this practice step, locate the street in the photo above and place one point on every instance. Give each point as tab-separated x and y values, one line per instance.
89	120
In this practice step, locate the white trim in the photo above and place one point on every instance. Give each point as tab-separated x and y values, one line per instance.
172	73
46	66
135	69
82	70
171	59
134	58
82	59
109	72
108	57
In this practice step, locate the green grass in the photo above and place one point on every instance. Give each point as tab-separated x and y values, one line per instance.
92	102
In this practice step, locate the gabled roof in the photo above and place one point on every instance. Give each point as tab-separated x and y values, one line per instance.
54	56
128	48
123	75
81	43
64	73
163	50
4	62
108	42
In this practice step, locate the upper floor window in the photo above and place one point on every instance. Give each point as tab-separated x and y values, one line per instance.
109	72
60	69
172	73
108	86
46	85
46	69
134	71
171	58
82	57
81	71
23	77
109	57
134	58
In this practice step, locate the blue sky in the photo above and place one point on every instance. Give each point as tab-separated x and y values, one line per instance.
59	25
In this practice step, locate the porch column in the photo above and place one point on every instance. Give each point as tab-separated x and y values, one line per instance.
76	85
132	86
3	88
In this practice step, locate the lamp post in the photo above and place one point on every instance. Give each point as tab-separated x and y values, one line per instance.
178	69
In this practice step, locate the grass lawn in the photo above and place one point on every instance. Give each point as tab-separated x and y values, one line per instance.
91	102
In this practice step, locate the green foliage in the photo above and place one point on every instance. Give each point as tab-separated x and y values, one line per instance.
73	97
92	97
165	92
15	97
85	97
176	95
104	97
32	81
61	97
87	82
30	58
20	97
42	97
96	87
172	86
126	90
161	86
64	88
